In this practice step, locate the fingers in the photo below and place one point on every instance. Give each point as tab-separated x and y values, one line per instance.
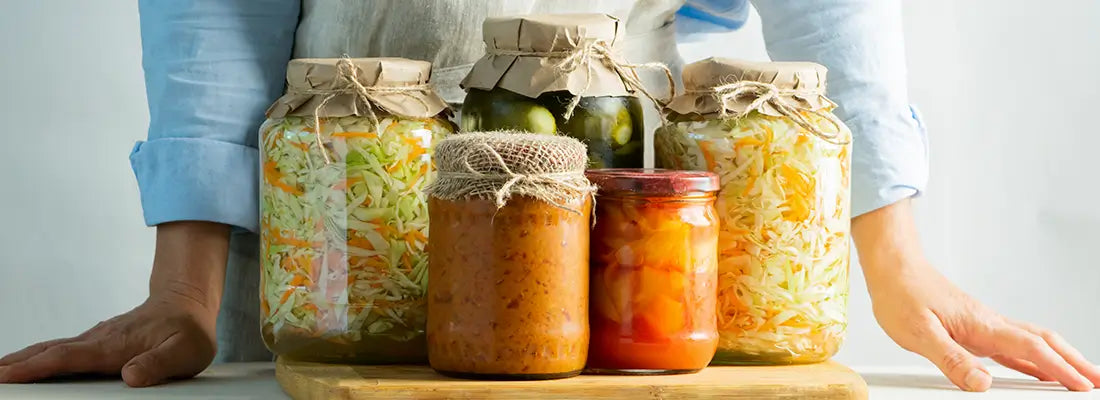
62	359
957	364
171	359
1011	341
31	351
1070	354
1024	366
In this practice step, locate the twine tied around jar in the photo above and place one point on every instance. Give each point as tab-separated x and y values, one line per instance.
586	54
346	71
768	93
499	164
501	194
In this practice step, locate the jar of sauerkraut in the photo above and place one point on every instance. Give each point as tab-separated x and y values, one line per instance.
510	218
554	74
767	130
346	154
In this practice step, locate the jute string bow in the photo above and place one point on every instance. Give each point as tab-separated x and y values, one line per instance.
349	74
556	180
586	54
498	165
768	93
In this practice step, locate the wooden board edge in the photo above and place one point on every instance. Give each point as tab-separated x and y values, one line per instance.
299	386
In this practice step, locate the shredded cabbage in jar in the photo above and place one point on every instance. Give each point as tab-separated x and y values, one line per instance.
343	242
783	244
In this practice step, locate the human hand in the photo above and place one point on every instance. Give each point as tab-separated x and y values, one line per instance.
170	335
923	312
163	338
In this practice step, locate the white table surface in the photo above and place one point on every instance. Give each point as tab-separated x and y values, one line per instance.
257	381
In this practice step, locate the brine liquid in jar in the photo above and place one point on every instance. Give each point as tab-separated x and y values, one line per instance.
654	272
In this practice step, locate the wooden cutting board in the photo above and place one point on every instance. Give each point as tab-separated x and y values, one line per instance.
826	381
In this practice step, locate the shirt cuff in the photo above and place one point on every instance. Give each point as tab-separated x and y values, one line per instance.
889	165
696	19
188	179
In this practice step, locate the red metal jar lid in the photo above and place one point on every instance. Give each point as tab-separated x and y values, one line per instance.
652	181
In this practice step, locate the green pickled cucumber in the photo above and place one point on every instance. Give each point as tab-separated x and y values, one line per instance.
470	119
629	149
528	116
602	120
503	110
623	128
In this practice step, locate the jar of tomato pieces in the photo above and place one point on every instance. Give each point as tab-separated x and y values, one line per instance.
654	271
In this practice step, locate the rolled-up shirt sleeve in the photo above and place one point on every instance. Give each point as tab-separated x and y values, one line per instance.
211	69
861	43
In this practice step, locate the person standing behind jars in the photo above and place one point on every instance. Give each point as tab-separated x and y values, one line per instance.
213	66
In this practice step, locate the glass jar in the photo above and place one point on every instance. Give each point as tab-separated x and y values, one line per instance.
343	244
509	295
611	126
509	263
784	207
654	272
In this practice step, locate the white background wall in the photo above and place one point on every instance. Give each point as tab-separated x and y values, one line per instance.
1008	90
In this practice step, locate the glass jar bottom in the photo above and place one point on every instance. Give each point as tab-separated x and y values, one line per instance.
508	377
370	350
614	371
738	358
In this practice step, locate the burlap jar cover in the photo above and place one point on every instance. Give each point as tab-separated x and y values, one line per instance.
724	88
536	54
341	87
499	165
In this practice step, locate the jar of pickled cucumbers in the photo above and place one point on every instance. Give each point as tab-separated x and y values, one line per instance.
346	154
767	130
510	218
654	266
556	74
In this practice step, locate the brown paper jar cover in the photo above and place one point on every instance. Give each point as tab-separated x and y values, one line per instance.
311	80
554	37
802	83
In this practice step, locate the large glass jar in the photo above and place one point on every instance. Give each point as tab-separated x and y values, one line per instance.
557	74
611	126
509	263
344	226
654	260
784	207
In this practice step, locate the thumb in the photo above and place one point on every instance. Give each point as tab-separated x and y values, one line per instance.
957	364
171	359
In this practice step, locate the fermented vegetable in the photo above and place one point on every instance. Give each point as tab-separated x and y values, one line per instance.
783	246
344	256
509	263
345	155
557	74
654	271
610	126
509	295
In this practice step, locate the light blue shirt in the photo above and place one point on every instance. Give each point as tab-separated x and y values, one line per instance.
213	66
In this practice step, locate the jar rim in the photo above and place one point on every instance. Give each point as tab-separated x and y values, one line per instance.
653	181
